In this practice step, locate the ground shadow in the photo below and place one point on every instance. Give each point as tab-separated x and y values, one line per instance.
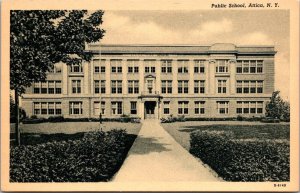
146	145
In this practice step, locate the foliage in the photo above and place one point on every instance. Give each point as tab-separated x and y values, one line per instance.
242	160
34	119
277	108
13	113
171	119
56	119
41	38
94	157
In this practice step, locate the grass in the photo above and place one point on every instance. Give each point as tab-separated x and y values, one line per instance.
76	127
181	131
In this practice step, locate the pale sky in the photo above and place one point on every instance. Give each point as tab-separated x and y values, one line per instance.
257	27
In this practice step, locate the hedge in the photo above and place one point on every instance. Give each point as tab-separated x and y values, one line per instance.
94	157
242	160
35	120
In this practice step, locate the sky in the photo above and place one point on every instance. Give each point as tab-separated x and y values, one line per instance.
206	27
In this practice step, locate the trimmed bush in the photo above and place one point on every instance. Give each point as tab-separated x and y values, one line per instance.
270	120
94	157
34	120
56	119
243	159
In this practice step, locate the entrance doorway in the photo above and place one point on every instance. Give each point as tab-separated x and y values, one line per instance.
150	109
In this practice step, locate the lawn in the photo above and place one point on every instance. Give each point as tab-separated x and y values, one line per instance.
181	131
70	152
75	127
238	152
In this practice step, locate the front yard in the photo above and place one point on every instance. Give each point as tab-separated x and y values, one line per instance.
70	152
238	151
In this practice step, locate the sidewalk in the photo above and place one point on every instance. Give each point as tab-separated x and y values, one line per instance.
156	156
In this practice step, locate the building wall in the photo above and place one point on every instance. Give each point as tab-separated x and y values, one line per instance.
211	96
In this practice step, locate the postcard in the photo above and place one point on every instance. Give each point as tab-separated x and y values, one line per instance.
140	95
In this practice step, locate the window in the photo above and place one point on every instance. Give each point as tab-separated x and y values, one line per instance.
133	66
246	86
259	107
58	108
239	67
133	86
199	107
99	86
99	66
133	108
259	66
252	86
76	86
51	108
116	86
199	86
183	86
116	66
76	68
75	108
259	86
166	66
51	87
239	108
246	108
149	66
183	66
222	107
222	66
57	87
249	107
36	108
252	66
249	66
183	107
166	107
246	66
44	108
199	66
36	87
44	87
222	86
239	86
48	87
116	108
98	108
166	86
56	69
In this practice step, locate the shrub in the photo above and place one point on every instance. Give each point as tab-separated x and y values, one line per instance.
125	118
242	160
94	157
33	120
33	117
56	119
270	120
240	118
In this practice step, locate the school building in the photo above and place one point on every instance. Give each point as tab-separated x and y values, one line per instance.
154	81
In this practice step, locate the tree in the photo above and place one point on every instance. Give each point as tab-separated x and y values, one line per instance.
277	108
41	38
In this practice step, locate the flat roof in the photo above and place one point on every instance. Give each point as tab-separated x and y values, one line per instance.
179	49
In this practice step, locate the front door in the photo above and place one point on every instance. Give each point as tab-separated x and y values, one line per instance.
150	109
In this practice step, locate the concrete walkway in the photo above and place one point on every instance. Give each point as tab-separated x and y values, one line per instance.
156	156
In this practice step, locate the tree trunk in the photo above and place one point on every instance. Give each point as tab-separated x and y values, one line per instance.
17	129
